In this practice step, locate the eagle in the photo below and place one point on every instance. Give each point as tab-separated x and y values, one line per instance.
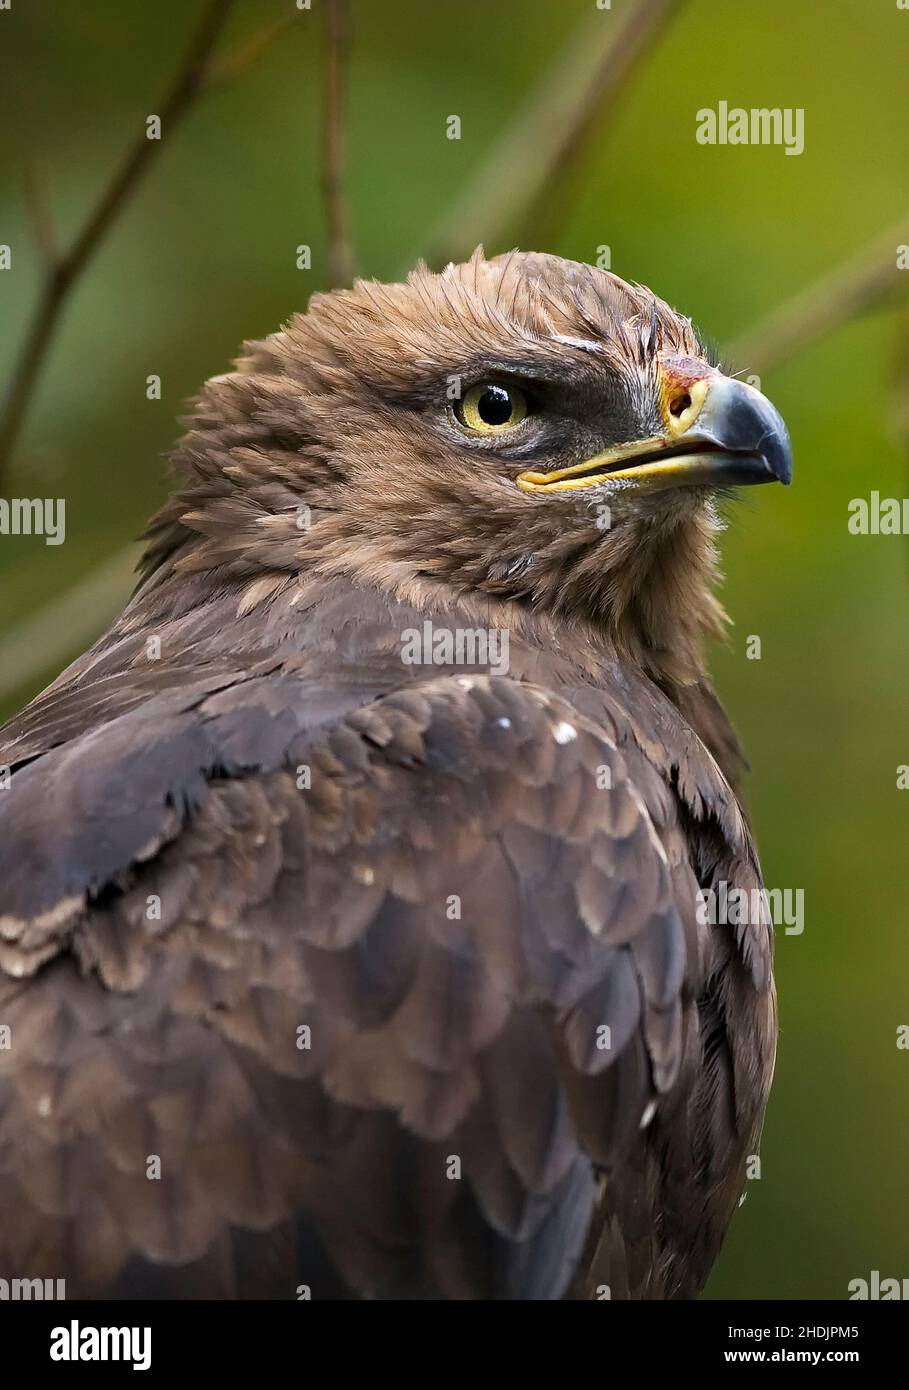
355	938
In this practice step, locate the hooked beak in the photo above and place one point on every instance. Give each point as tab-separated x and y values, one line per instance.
720	432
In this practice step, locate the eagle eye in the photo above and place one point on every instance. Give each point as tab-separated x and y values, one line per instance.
491	408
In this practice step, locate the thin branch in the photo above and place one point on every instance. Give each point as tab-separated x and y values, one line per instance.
335	50
62	276
40	215
552	207
862	282
245	54
544	144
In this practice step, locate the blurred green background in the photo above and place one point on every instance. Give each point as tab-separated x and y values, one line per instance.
204	256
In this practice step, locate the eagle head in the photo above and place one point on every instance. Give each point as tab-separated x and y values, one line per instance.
524	430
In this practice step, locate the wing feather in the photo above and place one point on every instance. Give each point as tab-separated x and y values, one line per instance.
404	1016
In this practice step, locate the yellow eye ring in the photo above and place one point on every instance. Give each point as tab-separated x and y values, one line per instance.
490	407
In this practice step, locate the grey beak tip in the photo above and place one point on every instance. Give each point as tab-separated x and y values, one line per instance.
780	459
741	418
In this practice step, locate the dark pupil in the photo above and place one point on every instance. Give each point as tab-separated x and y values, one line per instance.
494	406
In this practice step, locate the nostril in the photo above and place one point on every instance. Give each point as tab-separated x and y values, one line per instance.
680	404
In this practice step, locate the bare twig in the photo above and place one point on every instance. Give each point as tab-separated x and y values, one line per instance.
67	267
862	282
554	202
335	49
43	640
39	214
235	62
541	148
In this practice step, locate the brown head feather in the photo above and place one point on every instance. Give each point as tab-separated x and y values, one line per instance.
345	413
